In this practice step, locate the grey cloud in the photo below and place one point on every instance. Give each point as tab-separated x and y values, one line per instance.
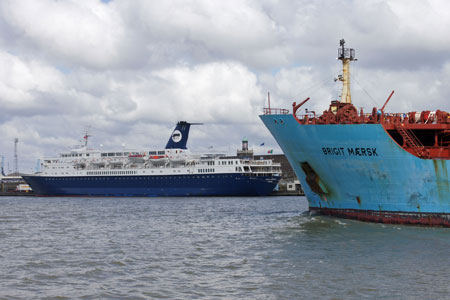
131	69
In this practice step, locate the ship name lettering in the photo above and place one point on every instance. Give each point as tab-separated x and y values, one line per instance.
362	151
358	151
333	151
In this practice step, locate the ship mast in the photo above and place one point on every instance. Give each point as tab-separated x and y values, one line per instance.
86	136
346	55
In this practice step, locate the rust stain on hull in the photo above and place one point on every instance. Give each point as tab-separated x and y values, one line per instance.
442	179
406	218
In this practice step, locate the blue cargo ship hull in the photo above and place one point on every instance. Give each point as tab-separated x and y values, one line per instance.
360	172
154	186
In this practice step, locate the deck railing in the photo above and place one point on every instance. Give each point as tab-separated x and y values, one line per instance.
275	111
376	117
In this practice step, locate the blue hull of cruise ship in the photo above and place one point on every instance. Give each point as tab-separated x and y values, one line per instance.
154	186
364	173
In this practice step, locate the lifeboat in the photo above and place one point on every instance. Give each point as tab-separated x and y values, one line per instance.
157	159
98	164
177	160
116	164
136	158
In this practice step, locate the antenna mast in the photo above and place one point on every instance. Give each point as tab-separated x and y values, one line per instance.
86	136
16	159
346	55
2	166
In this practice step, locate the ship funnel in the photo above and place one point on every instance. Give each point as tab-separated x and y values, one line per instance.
346	55
244	144
179	136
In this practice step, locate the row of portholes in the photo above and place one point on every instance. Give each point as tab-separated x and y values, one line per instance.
111	172
138	177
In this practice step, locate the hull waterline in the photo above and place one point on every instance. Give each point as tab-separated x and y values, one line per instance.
153	186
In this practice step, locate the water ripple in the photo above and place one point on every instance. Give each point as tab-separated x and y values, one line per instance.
210	248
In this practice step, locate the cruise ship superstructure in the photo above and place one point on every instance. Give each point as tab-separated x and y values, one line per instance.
173	171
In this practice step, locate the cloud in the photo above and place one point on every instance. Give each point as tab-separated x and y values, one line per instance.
69	33
201	31
131	69
22	84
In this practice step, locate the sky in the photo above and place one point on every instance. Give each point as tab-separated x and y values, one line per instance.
130	69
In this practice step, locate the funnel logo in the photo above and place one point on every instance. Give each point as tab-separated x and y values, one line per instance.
176	136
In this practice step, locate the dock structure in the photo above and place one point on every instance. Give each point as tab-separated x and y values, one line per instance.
289	184
12	185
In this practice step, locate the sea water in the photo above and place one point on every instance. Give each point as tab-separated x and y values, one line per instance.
211	248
